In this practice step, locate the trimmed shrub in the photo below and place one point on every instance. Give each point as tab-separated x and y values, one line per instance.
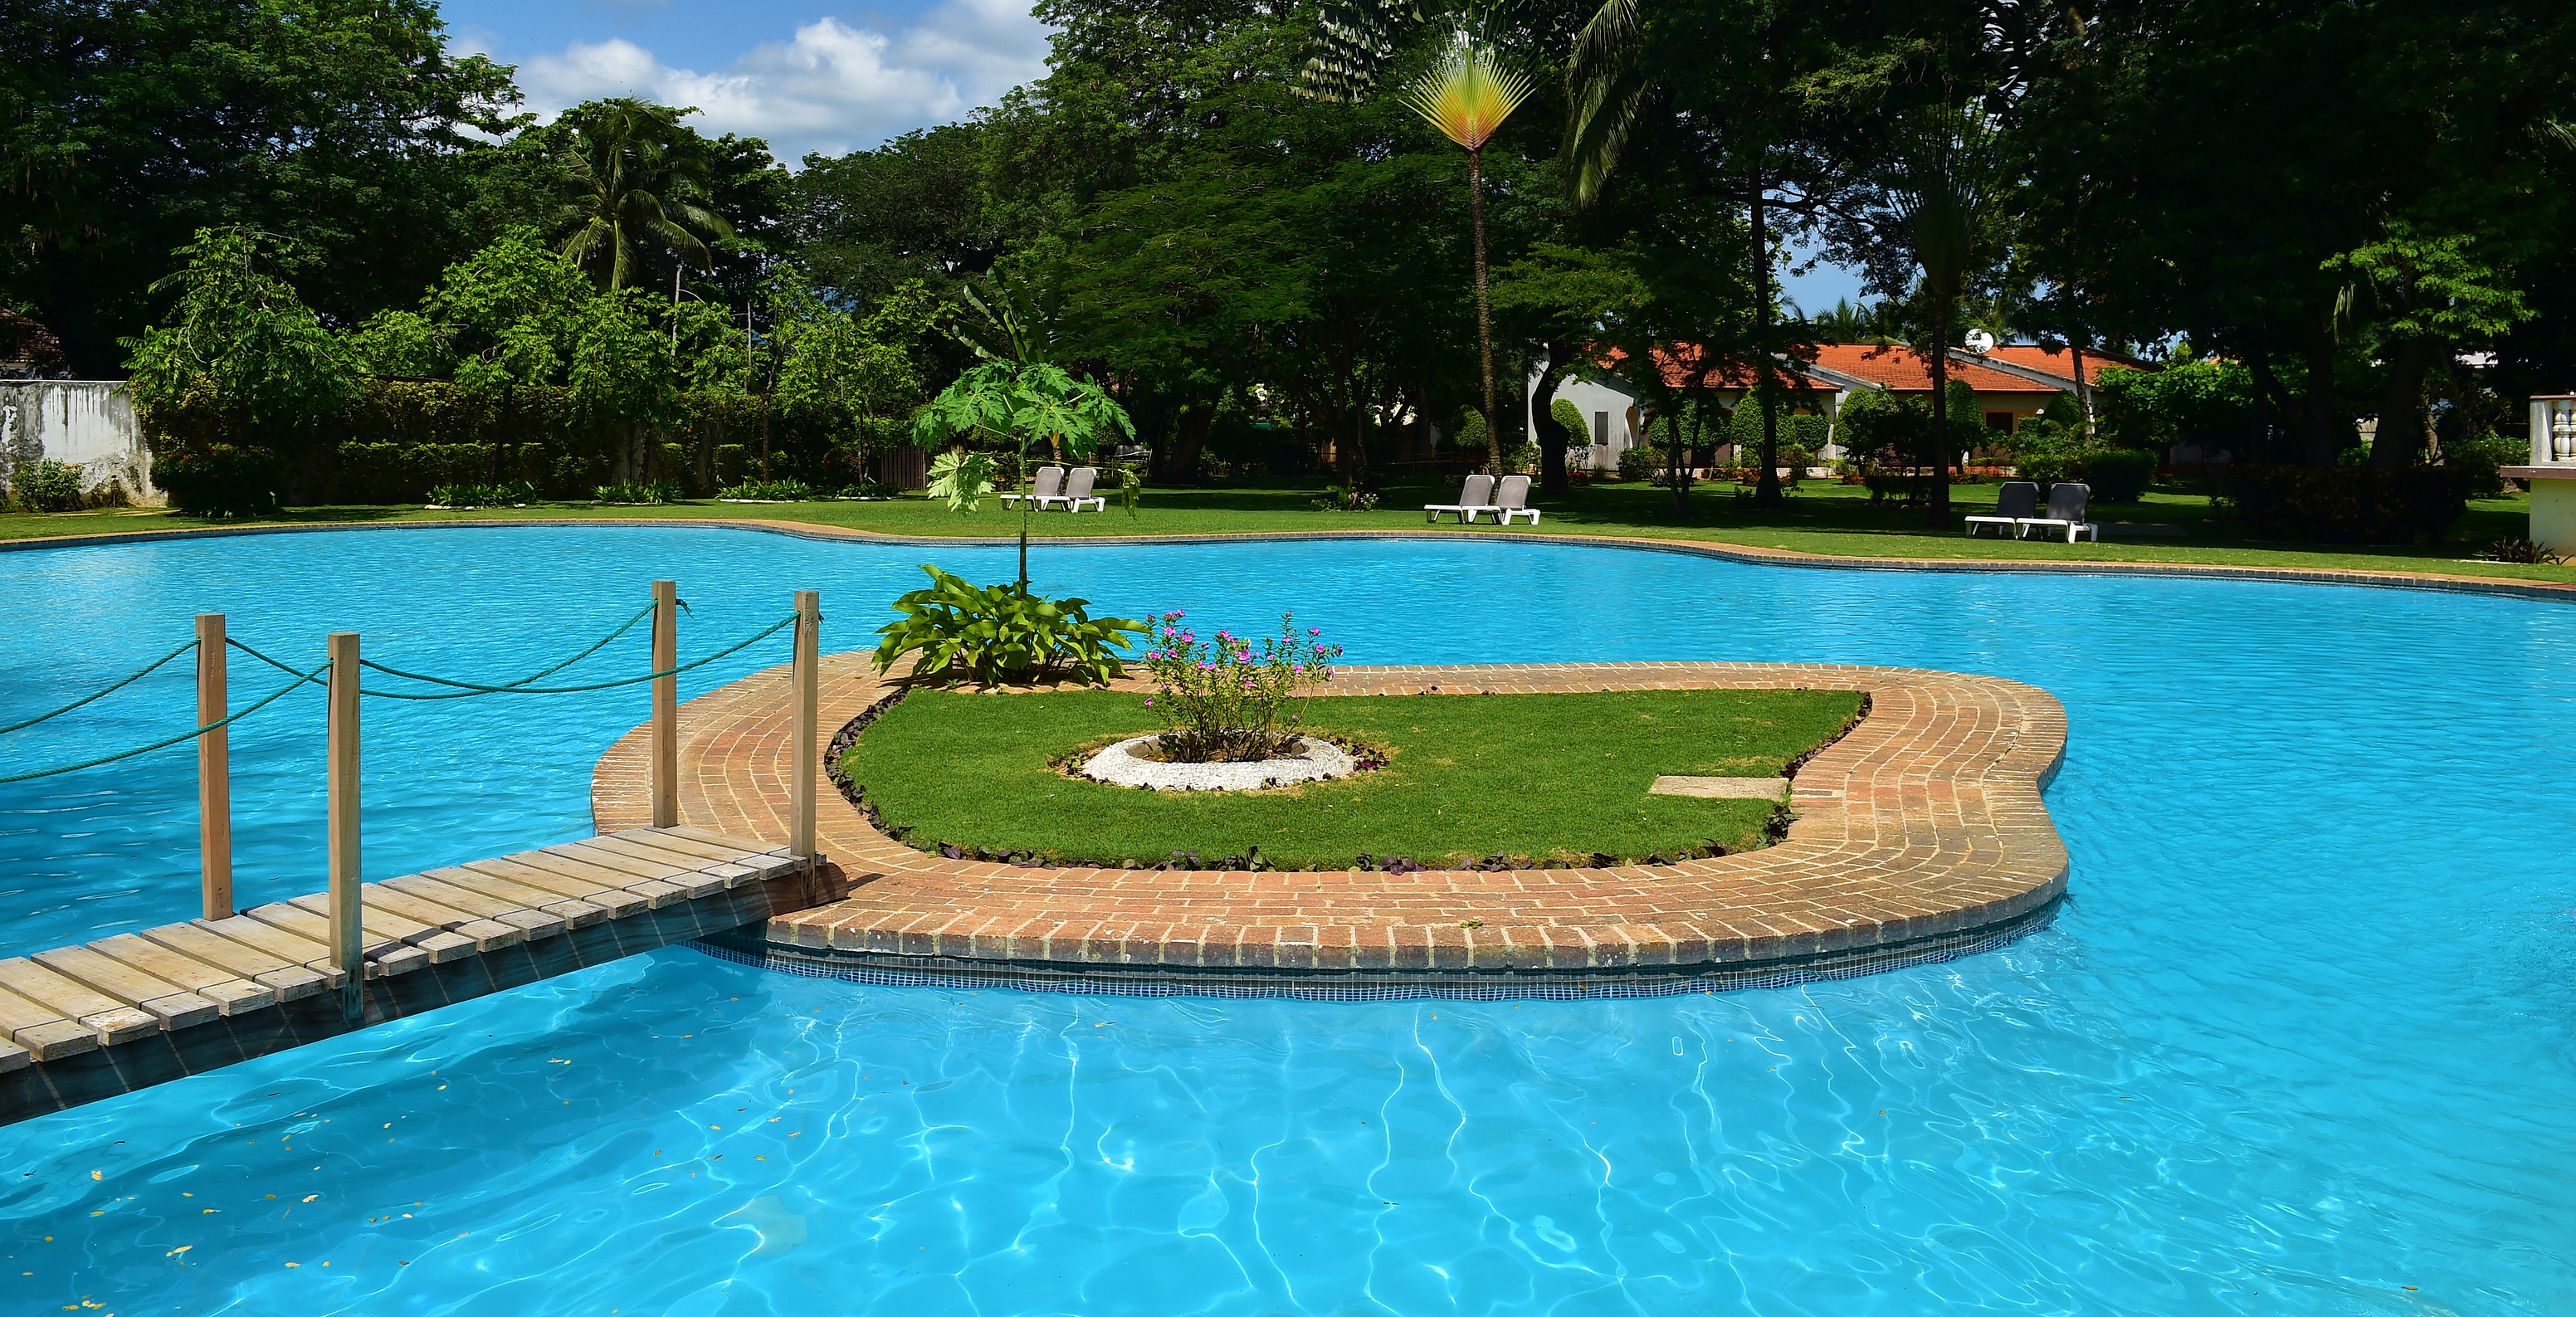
1642	462
2118	476
2479	459
1578	431
220	479
47	486
2348	504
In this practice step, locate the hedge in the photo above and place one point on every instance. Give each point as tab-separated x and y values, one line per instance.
395	439
2349	504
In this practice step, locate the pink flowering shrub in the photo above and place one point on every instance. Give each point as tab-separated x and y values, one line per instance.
1223	702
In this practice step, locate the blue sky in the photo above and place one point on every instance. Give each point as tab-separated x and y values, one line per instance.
808	76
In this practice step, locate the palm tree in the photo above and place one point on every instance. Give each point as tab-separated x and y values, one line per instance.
1467	95
630	179
1937	195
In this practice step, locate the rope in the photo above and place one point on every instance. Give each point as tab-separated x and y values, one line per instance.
314	677
471	688
273	696
156	666
519	685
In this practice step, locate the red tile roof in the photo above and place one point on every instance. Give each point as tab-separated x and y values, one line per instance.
1901	370
2059	361
1896	368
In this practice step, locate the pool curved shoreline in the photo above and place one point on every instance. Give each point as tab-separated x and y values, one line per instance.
1920	835
2562	592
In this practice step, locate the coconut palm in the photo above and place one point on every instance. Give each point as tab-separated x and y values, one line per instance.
1936	195
631	180
1467	95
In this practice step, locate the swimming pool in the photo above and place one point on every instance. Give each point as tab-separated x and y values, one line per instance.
2300	1039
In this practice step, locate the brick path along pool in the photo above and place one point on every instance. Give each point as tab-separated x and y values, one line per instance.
1922	826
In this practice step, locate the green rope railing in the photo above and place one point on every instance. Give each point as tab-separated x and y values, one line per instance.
472	688
300	679
521	685
156	666
463	689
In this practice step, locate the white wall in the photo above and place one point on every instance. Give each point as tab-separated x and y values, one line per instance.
86	422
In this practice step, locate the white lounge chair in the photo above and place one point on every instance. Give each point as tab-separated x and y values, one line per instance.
1477	495
1050	479
2067	504
1511	499
1077	491
2014	504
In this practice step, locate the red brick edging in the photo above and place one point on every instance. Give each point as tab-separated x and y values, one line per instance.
1925	821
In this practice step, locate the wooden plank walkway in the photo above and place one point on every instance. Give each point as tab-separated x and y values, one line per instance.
82	1023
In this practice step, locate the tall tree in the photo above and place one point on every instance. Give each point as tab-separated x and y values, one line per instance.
1467	94
335	127
1936	207
632	177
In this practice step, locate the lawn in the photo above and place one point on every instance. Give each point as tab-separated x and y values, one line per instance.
1821	518
1468	777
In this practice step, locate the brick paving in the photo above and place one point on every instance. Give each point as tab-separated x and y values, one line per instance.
1925	820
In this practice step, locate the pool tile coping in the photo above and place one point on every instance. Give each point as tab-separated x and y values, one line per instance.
1925	821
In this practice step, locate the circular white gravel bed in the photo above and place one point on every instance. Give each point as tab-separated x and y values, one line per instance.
1315	759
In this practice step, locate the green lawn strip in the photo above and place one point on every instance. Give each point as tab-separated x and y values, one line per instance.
1557	777
1821	518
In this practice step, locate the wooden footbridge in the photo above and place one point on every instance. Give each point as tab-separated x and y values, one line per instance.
82	1023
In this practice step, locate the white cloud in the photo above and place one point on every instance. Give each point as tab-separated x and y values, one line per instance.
833	88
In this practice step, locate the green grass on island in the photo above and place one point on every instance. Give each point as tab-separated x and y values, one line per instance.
1822	517
1543	777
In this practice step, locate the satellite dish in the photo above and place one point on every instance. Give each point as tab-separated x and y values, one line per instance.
1980	342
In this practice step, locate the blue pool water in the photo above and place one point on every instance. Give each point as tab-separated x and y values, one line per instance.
2300	1041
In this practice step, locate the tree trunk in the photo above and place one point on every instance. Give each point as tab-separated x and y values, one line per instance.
1766	485
2402	433
2317	420
2258	363
1673	462
2083	388
1484	316
1553	438
1189	441
1938	518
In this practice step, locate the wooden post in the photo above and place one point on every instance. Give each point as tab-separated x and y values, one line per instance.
809	631
666	705
214	772
343	769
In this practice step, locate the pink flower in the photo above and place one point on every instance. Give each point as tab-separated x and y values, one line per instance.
1149	701
1314	631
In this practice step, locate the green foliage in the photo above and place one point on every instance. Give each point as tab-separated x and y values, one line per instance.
2120	475
1642	462
769	491
633	176
2206	403
507	495
1014	406
1346	498
659	491
838	368
961	478
1470	434
44	485
335	127
242	337
2480	459
1001	633
1221	703
1578	429
2347	504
